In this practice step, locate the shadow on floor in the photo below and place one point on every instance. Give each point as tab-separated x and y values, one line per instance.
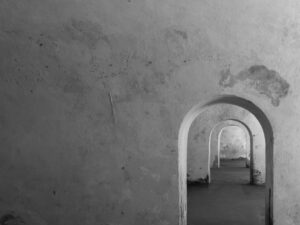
228	200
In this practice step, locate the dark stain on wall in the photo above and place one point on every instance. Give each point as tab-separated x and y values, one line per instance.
11	219
175	43
181	33
260	78
196	136
256	175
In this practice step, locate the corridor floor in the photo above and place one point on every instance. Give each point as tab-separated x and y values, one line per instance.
228	200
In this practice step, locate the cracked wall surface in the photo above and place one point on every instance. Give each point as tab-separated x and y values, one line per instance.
93	93
266	82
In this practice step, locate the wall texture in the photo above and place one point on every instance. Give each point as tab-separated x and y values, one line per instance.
93	93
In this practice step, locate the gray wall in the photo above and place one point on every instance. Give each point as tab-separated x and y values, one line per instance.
93	93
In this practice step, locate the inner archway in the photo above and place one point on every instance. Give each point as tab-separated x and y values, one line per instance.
182	150
215	136
232	143
254	136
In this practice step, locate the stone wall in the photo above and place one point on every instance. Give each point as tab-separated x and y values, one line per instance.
93	94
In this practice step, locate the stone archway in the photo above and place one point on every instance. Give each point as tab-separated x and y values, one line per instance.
214	154
214	136
182	150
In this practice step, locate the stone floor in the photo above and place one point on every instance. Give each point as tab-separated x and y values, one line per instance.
228	200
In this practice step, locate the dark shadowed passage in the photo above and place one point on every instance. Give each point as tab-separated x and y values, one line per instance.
228	200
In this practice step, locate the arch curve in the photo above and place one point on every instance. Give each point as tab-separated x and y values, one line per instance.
215	133
182	149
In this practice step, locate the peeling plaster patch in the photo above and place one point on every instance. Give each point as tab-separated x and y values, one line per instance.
264	81
227	79
20	217
11	219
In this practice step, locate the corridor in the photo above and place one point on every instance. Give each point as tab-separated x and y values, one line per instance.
228	200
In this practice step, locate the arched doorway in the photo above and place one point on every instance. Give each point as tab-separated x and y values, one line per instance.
182	150
232	144
215	134
250	143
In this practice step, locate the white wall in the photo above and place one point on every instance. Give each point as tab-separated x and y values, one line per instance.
93	94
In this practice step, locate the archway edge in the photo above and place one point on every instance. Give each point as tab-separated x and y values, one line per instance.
182	149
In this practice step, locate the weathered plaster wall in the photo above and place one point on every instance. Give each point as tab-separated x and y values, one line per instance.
93	92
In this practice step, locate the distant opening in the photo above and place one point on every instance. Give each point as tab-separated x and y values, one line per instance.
233	144
233	148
